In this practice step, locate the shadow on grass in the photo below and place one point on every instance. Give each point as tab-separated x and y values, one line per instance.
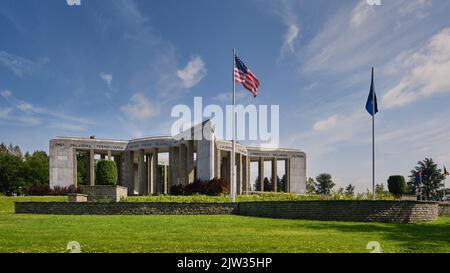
412	237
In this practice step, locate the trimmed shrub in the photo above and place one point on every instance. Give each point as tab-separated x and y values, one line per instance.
106	173
397	185
213	187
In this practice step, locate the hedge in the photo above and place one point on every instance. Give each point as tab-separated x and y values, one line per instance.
106	173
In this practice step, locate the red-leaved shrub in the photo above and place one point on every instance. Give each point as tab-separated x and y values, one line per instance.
215	186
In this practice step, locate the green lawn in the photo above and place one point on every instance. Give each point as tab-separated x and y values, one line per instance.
161	233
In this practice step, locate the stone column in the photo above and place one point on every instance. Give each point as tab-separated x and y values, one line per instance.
174	168
182	164
190	161
275	174
149	166
118	160
287	172
239	173
218	163
128	171
75	169
109	155
248	182
91	168
166	180
261	173
155	172
142	174
229	170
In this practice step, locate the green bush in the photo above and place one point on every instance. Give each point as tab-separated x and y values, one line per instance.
106	173
397	185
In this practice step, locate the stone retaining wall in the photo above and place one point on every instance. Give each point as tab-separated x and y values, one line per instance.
444	209
119	208
356	211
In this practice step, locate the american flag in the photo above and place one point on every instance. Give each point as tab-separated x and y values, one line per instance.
243	75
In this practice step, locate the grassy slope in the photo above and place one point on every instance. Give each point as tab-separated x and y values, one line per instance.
160	233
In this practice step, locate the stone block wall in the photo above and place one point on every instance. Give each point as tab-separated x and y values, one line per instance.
444	209
124	208
104	193
354	211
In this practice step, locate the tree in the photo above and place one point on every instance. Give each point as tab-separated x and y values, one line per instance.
106	173
3	148
397	185
268	185
36	169
82	165
379	189
324	184
283	183
431	182
10	173
350	190
310	185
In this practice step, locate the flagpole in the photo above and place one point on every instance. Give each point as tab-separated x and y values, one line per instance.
233	153
373	141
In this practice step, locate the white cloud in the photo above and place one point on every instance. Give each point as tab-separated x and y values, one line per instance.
427	72
20	65
140	108
326	124
26	114
6	93
290	37
361	13
193	72
107	78
293	28
360	36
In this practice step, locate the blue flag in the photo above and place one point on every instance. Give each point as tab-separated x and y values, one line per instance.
372	99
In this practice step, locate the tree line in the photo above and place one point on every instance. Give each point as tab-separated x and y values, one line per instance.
426	180
20	171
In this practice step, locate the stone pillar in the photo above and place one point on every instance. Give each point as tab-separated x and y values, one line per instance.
75	170
174	167
91	168
166	180
239	173
261	173
248	183
128	171
218	164
118	160
190	161
155	172
287	181
109	155
182	164
151	185
142	174
229	170
275	174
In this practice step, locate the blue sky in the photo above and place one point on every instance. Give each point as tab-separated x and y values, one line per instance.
116	68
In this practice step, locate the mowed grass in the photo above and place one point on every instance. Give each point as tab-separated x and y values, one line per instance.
199	233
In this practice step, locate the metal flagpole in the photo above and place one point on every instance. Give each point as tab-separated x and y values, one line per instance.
373	138
233	181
